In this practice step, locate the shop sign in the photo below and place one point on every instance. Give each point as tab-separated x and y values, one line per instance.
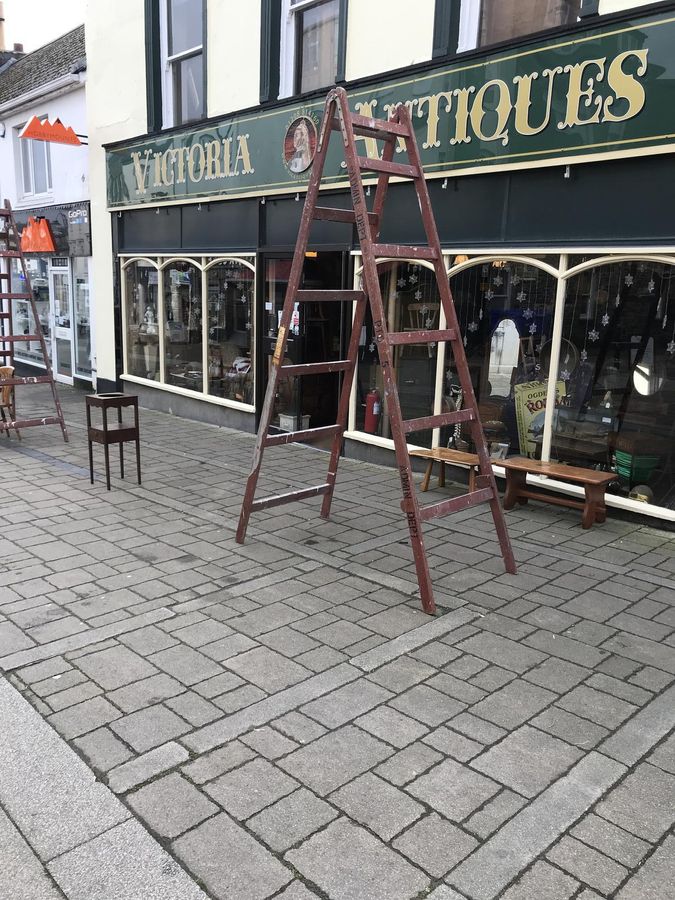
68	226
530	403
598	94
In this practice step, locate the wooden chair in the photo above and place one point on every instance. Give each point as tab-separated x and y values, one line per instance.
422	317
7	398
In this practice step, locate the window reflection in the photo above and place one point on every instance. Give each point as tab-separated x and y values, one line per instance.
183	361
142	328
230	314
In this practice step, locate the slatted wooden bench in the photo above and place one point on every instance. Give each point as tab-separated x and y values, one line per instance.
444	455
594	483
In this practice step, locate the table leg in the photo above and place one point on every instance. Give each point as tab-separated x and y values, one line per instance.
515	482
138	459
441	475
472	478
106	453
91	463
119	419
427	476
594	509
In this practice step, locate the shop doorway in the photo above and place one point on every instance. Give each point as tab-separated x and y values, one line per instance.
62	332
317	334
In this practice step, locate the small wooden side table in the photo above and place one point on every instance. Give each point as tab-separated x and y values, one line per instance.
112	432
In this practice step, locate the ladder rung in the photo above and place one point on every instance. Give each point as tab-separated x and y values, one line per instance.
279	499
388	168
30	379
294	437
385	126
455	504
10	253
332	296
403	251
422	337
5	275
332	214
29	423
448	418
15	338
320	368
9	296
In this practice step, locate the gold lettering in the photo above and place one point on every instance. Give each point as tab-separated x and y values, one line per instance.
182	154
462	115
199	150
158	169
524	100
227	157
243	155
503	110
165	167
366	108
625	86
575	92
141	172
213	160
433	100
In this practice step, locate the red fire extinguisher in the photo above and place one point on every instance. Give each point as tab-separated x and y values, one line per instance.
373	411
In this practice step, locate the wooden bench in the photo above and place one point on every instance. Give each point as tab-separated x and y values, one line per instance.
594	482
444	455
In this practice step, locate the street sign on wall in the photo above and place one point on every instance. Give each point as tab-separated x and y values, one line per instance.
602	93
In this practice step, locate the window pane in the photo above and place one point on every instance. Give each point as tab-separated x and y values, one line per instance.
142	327
505	313
185	25
317	45
410	297
230	298
617	362
23	322
82	316
503	20
183	326
189	89
38	150
25	166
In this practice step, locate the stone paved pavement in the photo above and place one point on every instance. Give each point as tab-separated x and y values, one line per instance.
284	719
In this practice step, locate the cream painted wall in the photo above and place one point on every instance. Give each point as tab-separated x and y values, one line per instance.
612	6
116	109
233	55
387	34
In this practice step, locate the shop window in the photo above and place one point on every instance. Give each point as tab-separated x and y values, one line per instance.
22	316
310	46
83	354
182	331
505	312
230	291
485	22
141	292
617	411
411	301
35	176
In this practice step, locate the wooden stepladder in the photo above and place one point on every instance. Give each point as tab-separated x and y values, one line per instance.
10	248
398	129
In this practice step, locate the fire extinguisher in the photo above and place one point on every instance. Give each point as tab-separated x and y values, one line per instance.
373	411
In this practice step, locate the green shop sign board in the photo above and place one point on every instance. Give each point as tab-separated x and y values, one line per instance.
604	93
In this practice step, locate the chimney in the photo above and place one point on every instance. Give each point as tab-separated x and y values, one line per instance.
2	27
18	48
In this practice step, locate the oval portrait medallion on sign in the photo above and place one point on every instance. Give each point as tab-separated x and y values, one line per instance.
300	145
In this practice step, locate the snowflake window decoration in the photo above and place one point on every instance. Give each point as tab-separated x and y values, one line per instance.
583	356
473	326
418	295
670	348
528	313
564	374
401	282
371	346
497	280
651	285
593	335
605	319
480	313
428	322
413	279
489	295
465	341
533	328
617	300
515	281
628	280
521	296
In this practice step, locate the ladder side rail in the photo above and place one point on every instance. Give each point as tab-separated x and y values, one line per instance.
371	280
381	192
286	314
459	356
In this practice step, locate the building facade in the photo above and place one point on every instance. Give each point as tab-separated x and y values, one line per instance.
47	185
546	139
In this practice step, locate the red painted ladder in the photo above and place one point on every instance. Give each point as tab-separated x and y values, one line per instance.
10	248
337	117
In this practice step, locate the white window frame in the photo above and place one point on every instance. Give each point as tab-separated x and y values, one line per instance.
168	63
31	144
287	43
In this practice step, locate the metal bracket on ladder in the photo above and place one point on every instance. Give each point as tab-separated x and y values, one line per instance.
10	248
337	117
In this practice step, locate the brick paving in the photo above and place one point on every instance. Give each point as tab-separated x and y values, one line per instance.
285	720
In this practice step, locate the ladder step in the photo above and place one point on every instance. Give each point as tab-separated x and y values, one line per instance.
29	379
16	338
422	337
331	214
29	423
403	251
382	129
290	497
293	437
9	296
455	504
320	368
403	170
13	254
329	296
448	418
